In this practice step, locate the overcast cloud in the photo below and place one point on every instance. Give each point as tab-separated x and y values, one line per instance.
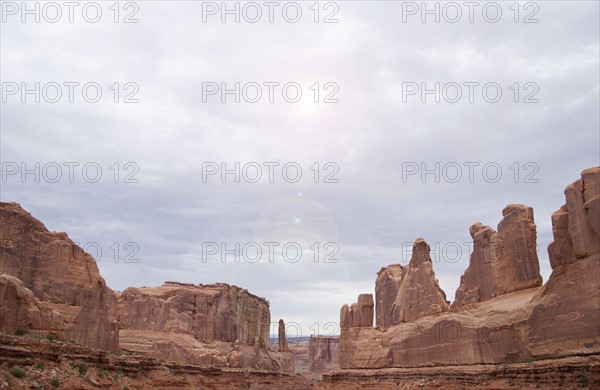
371	136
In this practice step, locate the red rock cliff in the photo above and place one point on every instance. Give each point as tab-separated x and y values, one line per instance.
502	261
213	325
406	294
58	273
501	314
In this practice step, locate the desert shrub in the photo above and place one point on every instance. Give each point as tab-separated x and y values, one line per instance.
101	373
80	367
17	372
21	331
583	381
55	383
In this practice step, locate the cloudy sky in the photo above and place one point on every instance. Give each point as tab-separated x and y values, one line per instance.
336	116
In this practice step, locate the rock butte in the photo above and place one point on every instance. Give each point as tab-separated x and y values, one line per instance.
210	325
502	313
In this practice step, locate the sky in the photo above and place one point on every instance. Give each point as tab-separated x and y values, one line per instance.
358	127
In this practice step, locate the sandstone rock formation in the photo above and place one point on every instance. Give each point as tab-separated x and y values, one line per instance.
44	360
283	344
359	314
565	317
197	324
387	285
21	309
417	291
324	353
58	273
501	314
502	261
49	285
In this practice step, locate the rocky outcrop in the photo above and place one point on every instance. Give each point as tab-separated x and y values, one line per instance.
44	360
285	355
359	314
388	282
417	291
58	273
283	344
504	261
49	285
565	316
21	309
563	373
213	325
501	314
324	353
214	312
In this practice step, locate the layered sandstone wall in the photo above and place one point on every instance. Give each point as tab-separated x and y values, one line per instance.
359	314
212	325
49	285
501	314
387	286
502	261
407	294
566	310
214	312
60	274
21	309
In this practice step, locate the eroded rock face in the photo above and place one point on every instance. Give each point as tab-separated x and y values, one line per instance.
208	312
359	314
387	285
21	309
512	323
50	285
324	353
502	262
58	273
198	324
419	294
565	315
